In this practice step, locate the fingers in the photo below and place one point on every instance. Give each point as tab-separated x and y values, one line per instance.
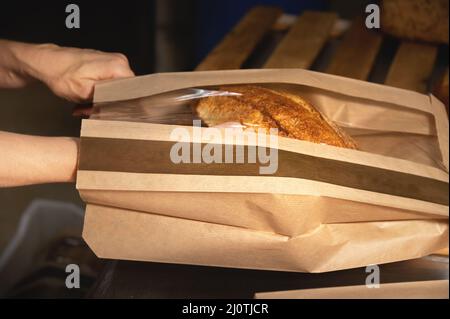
105	66
119	66
82	110
121	70
72	73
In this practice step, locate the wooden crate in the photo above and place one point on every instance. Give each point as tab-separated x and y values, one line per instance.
267	38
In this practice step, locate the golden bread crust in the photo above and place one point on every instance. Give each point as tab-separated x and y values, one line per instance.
265	108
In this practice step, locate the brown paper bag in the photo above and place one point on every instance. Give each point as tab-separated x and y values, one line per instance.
433	289
324	209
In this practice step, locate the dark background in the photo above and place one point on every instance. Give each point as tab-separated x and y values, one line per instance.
149	32
125	26
190	28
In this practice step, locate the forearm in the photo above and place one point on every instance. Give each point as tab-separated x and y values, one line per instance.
21	63
12	70
26	160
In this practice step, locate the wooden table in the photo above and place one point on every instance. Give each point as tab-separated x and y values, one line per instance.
265	38
128	279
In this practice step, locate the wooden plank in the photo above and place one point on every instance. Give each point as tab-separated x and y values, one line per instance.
356	53
303	43
239	43
412	66
122	279
284	22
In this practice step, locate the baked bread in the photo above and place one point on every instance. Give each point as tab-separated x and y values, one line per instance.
260	107
425	20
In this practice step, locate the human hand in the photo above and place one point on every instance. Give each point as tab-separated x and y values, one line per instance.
71	73
30	160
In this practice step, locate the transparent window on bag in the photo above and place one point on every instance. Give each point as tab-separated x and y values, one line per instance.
376	127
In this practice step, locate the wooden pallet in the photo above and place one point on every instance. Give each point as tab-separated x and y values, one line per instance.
266	38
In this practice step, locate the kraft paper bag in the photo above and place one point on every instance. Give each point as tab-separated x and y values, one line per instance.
433	289
324	209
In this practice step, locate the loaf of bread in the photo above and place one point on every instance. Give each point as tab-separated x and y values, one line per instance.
425	20
260	107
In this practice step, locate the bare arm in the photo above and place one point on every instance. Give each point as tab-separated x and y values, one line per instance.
29	160
70	73
12	73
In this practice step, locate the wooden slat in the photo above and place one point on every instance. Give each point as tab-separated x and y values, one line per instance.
239	43
356	53
412	66
303	43
284	22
